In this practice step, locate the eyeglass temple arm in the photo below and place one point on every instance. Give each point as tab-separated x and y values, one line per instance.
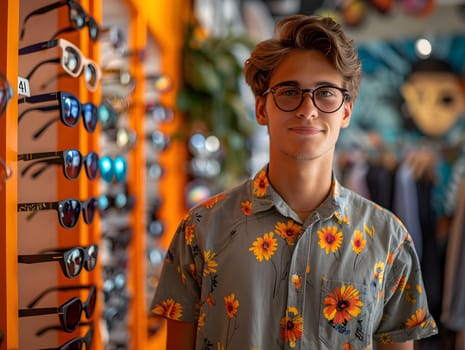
38	311
57	288
37	206
47	162
40	11
44	127
53	77
57	327
39	258
40	109
38	65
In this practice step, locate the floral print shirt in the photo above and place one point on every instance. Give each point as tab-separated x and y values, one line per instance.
253	276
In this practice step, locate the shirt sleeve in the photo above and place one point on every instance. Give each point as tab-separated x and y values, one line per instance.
406	315
178	292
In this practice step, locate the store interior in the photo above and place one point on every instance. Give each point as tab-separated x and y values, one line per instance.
130	112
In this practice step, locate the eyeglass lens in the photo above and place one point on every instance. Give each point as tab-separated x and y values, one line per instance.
326	98
68	212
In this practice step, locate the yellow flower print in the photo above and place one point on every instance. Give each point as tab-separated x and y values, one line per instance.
342	304
410	298
369	230
417	319
231	304
358	243
169	308
378	273
209	265
330	239
292	327
297	280
401	284
385	338
192	270
246	208
348	346
189	233
419	288
264	248
260	184
209	203
390	258
289	231
201	321
341	218
210	300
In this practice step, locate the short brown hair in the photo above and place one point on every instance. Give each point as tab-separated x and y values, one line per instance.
304	32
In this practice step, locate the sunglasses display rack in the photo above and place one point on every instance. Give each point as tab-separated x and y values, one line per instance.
91	179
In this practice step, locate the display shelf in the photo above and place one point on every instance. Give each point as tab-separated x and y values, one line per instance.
165	22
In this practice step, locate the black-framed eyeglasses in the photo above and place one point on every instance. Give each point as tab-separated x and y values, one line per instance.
77	16
88	306
71	260
71	160
326	98
77	343
68	210
6	93
71	109
72	61
89	22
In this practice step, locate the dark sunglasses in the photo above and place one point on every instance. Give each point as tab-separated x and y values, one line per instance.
71	161
78	343
71	110
72	61
88	306
69	313
6	93
89	22
68	210
77	16
71	260
120	201
113	168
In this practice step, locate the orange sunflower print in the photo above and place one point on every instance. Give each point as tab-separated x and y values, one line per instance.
342	304
231	304
209	263
289	231
417	319
292	327
169	308
330	239
264	248
358	243
189	233
260	184
246	208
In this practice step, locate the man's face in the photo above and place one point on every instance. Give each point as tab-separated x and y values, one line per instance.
434	100
305	133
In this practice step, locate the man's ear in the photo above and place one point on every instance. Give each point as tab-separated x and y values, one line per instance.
260	110
347	114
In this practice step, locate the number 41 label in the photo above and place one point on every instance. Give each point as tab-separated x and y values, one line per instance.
23	87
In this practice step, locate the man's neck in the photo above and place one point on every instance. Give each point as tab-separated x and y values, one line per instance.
303	185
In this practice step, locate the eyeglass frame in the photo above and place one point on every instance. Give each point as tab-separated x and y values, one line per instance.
87	339
57	158
59	96
63	44
272	90
61	311
55	5
57	205
60	255
92	295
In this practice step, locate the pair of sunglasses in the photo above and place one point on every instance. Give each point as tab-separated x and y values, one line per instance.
6	93
119	201
77	343
72	61
68	210
78	18
113	169
71	160
71	110
72	260
69	313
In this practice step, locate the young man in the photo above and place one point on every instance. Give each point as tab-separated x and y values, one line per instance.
290	259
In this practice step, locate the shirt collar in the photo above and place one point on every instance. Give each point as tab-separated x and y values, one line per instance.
264	197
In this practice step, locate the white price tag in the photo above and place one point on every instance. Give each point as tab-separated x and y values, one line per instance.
23	87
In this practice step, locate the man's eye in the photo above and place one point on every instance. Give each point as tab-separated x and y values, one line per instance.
325	92
289	92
